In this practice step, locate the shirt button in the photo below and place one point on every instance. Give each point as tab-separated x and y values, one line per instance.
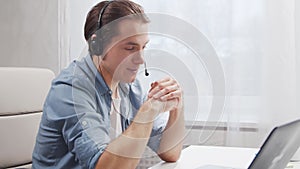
84	123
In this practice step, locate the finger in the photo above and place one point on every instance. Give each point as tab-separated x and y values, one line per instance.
165	91
160	86
164	80
173	95
153	85
161	83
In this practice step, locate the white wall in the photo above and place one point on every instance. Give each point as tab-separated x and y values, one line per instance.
297	29
29	33
78	12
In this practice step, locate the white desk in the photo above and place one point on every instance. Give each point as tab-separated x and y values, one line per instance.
196	156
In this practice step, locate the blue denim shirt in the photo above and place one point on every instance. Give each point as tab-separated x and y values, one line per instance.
74	129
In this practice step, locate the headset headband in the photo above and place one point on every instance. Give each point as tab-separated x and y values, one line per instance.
99	23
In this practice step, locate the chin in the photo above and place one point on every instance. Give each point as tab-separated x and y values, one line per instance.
129	79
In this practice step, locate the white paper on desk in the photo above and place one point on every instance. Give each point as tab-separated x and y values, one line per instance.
196	156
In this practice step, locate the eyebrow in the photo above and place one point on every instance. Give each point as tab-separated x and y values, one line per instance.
136	44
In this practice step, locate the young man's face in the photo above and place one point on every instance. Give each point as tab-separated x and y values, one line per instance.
126	51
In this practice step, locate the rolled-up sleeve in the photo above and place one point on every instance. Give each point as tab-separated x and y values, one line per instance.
84	129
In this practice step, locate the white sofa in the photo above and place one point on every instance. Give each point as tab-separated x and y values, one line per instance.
22	94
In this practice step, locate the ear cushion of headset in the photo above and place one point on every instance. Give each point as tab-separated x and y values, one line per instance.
95	47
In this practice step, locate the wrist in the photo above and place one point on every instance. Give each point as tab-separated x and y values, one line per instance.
147	112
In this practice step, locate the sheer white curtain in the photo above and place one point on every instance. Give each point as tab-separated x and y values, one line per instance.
263	44
255	42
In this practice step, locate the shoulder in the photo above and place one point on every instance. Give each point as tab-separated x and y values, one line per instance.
75	75
70	85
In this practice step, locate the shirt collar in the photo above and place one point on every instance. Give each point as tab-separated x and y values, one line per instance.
102	86
124	87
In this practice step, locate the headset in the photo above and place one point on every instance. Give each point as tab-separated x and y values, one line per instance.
97	43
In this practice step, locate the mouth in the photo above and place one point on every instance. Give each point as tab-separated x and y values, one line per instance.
133	70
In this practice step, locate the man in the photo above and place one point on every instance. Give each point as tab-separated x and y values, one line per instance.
96	114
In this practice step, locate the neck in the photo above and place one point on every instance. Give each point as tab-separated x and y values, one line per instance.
107	76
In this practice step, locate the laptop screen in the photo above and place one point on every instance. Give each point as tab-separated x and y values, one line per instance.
279	147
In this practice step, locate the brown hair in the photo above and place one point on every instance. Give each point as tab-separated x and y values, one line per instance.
113	11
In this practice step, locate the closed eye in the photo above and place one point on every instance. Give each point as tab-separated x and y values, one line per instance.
130	48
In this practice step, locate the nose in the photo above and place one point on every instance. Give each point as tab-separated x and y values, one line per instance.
138	57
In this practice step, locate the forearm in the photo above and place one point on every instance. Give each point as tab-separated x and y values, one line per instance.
168	90
172	138
126	150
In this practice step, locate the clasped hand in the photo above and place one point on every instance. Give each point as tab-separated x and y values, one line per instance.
165	95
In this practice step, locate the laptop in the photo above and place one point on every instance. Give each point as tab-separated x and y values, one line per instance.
276	151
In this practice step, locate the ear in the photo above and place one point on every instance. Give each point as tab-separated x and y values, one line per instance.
93	37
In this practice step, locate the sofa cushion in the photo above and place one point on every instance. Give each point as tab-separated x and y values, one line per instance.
22	95
23	90
18	135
